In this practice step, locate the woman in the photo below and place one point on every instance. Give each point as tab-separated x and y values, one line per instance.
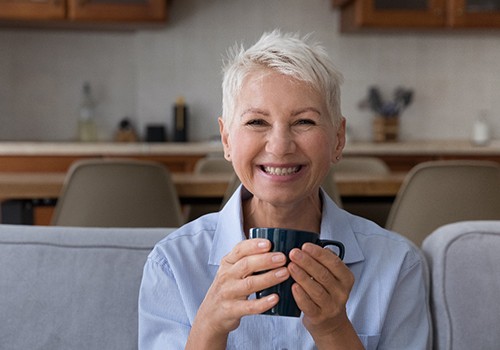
282	129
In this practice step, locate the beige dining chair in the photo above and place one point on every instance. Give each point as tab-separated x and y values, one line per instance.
211	165
375	209
436	193
118	193
330	187
369	165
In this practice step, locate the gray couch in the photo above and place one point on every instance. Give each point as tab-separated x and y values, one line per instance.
71	288
464	260
77	288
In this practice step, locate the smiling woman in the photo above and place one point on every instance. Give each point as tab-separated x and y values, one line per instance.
281	143
282	129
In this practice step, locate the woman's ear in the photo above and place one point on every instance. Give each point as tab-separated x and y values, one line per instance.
339	141
224	135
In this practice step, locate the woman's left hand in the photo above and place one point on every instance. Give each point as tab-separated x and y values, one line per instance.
323	284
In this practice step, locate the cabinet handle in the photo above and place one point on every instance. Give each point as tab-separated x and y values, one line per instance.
460	11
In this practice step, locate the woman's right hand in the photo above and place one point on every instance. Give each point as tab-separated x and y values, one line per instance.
226	301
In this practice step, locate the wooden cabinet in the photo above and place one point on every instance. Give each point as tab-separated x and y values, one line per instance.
19	10
364	14
68	12
117	10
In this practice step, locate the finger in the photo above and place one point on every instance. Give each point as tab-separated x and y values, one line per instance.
254	283
304	302
315	290
310	267
247	247
251	264
331	262
255	306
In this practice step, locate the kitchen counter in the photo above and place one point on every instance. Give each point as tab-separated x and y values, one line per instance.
422	147
108	148
182	157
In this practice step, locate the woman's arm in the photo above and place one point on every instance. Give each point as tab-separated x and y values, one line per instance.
226	301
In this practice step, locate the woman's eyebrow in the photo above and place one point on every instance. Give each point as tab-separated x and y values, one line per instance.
253	110
304	110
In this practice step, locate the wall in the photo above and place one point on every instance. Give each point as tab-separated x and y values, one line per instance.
140	74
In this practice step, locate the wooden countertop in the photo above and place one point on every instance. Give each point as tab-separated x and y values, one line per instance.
107	148
420	147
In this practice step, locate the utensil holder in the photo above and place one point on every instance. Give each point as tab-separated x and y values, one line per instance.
385	129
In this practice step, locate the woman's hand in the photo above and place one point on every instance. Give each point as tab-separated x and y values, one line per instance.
226	301
322	288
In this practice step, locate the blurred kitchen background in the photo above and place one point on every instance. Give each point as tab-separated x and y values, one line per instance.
455	74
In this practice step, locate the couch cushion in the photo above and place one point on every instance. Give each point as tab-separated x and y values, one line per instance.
71	288
464	259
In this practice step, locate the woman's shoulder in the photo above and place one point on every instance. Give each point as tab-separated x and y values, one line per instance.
372	237
199	232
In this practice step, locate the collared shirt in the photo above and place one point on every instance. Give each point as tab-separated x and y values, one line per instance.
388	305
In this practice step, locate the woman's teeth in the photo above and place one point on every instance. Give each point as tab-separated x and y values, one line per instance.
280	171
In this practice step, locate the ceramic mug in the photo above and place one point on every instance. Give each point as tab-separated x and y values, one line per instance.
284	240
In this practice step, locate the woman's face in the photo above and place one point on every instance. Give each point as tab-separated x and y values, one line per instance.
281	140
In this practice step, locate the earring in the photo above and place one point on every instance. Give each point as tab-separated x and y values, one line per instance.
338	158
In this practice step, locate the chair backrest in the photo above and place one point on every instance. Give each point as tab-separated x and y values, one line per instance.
330	187
464	262
72	287
364	165
118	193
213	164
441	192
231	187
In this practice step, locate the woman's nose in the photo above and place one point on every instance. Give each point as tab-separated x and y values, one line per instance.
280	141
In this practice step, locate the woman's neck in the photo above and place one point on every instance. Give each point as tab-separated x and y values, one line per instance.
304	216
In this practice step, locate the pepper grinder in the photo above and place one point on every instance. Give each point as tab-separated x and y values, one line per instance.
180	120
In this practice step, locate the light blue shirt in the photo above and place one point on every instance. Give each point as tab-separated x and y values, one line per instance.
388	305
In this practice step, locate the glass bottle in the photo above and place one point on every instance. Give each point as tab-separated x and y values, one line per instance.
87	130
481	130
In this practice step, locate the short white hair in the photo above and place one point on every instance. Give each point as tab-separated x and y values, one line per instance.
287	54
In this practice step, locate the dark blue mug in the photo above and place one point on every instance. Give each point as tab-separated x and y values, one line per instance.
284	240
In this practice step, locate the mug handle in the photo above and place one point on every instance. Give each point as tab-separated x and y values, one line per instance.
325	242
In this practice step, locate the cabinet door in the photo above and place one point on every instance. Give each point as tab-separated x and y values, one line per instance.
474	13
117	10
32	9
393	14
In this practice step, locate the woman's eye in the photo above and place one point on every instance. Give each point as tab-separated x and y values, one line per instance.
255	122
305	122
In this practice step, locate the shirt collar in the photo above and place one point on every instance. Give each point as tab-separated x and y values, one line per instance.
335	225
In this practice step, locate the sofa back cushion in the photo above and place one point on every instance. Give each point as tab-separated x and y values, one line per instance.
71	288
465	267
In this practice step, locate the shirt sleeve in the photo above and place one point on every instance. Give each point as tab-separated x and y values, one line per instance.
408	322
163	323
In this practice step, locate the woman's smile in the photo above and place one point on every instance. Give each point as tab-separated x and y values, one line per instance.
281	171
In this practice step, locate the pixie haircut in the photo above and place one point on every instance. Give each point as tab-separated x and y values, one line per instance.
286	54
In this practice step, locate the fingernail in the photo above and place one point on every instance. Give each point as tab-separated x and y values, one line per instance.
272	298
281	273
278	258
262	244
297	254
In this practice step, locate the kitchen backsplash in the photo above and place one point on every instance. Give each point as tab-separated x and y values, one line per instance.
140	75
